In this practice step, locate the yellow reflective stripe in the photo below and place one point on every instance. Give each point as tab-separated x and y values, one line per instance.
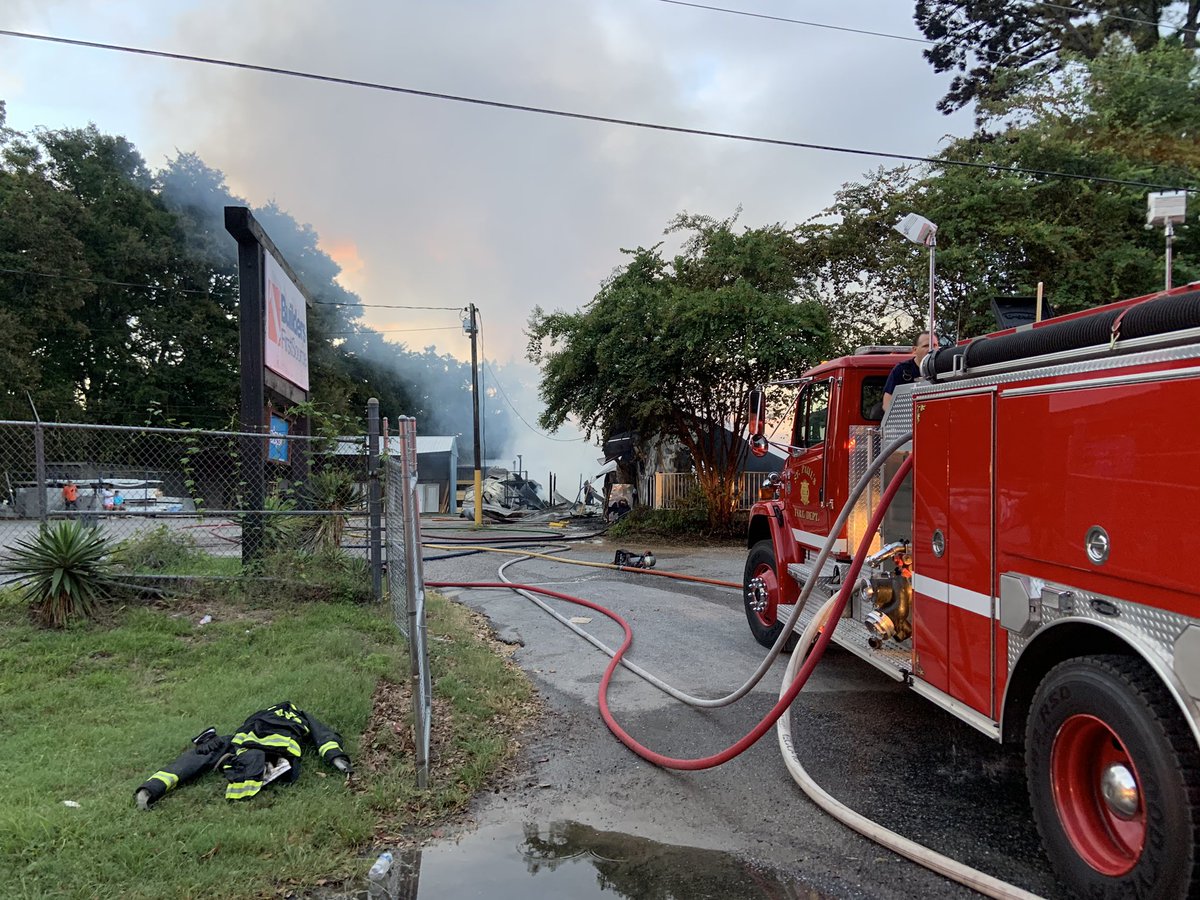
239	789
329	745
167	778
269	740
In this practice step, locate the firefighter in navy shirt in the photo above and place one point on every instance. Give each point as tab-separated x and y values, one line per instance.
907	371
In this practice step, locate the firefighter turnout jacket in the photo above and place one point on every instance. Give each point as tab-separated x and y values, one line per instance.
268	742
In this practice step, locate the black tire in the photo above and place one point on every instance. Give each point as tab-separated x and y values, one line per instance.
1093	714
764	621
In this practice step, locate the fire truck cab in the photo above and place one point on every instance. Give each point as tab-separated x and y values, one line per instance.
1030	576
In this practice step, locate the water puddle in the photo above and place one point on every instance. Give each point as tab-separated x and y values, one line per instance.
573	861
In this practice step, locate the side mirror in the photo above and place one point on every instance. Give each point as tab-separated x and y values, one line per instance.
757	420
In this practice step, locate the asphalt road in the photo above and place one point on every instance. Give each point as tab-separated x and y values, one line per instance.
873	744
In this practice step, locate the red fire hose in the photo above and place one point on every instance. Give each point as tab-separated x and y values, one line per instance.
785	699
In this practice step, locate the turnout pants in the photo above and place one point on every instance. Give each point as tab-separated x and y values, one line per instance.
247	771
245	768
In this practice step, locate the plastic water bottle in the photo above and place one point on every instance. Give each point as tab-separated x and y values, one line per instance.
380	877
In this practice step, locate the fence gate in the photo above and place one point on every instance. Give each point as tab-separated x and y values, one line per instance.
406	581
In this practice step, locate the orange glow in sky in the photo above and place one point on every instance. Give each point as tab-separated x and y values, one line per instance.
345	254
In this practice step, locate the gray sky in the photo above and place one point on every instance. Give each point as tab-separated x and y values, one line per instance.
428	202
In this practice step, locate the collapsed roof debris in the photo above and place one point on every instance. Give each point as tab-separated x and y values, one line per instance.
509	497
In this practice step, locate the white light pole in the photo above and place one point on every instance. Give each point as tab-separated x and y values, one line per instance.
1166	208
920	230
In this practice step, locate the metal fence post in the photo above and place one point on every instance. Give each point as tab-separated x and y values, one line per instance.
375	528
415	589
39	463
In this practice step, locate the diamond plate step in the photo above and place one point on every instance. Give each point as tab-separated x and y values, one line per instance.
892	658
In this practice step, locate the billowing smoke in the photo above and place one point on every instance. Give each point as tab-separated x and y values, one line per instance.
437	386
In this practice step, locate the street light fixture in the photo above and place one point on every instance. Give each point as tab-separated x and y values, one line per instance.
1168	209
920	230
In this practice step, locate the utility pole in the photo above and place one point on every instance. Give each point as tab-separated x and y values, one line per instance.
472	328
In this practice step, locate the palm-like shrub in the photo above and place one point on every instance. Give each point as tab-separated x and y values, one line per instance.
63	570
279	529
336	493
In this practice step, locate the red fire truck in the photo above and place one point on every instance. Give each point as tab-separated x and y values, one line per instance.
1031	577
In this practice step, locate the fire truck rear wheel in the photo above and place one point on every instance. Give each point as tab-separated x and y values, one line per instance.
1114	780
760	593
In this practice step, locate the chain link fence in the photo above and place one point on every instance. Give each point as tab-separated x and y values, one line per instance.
406	581
226	494
193	504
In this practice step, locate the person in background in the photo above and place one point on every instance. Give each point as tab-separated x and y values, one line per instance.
907	371
109	498
70	494
118	502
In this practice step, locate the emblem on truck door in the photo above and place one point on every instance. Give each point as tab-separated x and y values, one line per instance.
804	493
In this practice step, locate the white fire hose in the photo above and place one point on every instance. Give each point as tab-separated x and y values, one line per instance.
918	853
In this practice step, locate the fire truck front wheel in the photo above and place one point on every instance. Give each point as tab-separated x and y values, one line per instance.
760	593
1114	780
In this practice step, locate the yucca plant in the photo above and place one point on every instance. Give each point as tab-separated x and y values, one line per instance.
63	571
278	529
334	492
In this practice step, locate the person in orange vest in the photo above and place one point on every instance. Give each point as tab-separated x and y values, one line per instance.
70	493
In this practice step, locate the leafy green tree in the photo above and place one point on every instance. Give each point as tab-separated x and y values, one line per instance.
119	293
41	286
112	312
672	347
1000	47
1003	231
851	261
124	234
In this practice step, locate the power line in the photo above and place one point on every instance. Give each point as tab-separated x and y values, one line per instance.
128	284
369	331
496	380
994	56
754	15
174	290
1097	13
588	117
151	335
385	305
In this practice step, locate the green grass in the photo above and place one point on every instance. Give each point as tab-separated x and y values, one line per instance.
87	713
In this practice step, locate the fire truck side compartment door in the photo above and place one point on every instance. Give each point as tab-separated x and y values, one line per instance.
969	551
1122	454
931	446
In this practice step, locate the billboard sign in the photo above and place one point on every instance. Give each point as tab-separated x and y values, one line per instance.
286	345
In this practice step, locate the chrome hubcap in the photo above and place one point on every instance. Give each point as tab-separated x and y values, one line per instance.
1120	791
